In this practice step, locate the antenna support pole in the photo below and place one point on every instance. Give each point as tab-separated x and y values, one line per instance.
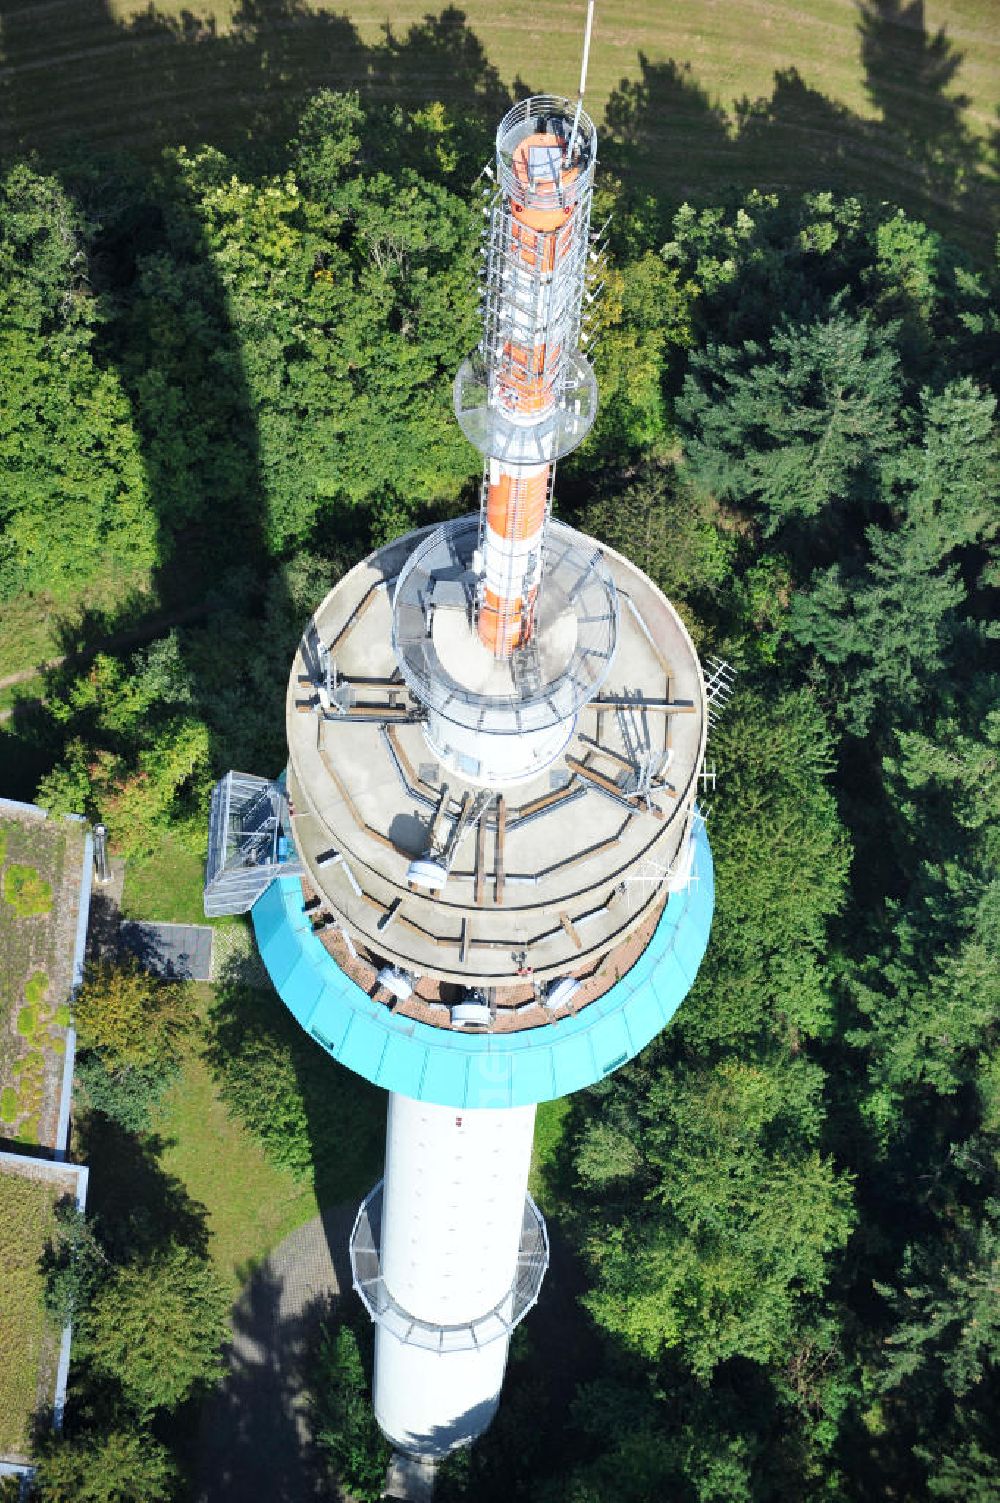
588	29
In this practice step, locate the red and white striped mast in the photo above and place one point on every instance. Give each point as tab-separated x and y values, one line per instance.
527	396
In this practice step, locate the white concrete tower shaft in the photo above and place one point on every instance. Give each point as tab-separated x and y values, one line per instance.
454	1200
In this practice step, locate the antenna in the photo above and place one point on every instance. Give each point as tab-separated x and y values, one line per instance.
588	29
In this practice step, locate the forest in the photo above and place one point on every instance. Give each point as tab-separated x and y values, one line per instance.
777	1232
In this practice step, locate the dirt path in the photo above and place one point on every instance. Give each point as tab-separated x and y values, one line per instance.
255	1440
131	637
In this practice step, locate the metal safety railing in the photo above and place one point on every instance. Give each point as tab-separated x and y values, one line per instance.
497	1322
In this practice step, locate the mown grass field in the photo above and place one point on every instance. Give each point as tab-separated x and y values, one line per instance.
250	1204
891	97
28	1336
734	46
166	887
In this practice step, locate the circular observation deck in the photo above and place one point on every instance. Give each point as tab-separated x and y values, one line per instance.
564	877
532	144
502	720
542	440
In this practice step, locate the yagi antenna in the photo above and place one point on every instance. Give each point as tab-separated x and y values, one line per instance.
588	29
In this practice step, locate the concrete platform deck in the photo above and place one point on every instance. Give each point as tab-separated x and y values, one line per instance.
565	868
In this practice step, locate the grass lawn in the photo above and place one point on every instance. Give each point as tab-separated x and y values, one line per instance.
550	1124
28	1337
734	46
250	1204
166	887
772	93
35	628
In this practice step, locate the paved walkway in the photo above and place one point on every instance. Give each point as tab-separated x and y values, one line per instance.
131	636
177	952
254	1440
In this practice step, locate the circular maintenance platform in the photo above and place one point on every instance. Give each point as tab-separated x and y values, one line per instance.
495	717
563	874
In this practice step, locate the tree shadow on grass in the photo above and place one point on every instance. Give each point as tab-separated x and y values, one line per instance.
668	134
159	79
138	1205
313	1117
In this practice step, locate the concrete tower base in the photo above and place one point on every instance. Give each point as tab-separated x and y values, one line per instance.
453	1274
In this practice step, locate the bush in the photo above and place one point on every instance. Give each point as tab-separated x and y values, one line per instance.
26	1020
157	1328
345	1425
72	1262
26	891
133	1019
313	1119
125	1094
121	1466
8	1104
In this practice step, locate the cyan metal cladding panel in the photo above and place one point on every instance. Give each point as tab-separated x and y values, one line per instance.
451	1068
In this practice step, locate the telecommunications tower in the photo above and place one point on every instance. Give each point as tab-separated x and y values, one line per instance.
483	881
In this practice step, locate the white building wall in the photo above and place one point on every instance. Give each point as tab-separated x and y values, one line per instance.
453	1202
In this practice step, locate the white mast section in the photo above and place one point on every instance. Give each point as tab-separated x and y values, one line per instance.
588	30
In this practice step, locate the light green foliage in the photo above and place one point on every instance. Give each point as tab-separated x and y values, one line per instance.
368	304
27	891
76	496
36	987
751	1213
67	787
105	1466
26	1021
156	1328
908	256
712	244
642	324
142	794
8	1104
328	145
605	1154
